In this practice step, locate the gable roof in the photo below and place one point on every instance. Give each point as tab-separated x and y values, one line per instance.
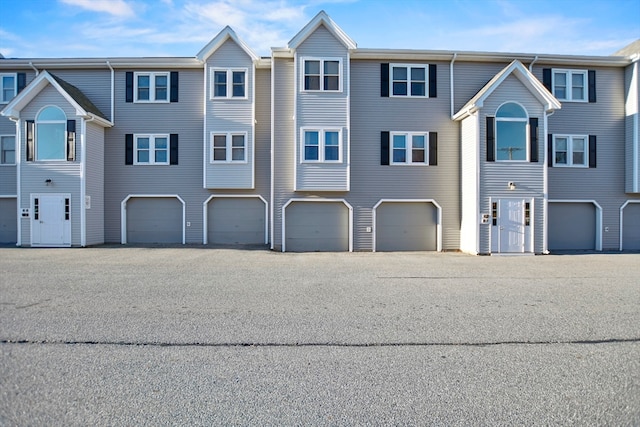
321	19
525	76
226	33
83	105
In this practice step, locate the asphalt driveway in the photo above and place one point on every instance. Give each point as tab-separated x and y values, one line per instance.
193	336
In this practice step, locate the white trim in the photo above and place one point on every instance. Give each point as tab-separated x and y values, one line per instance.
152	86
321	19
296	134
229	83
205	142
570	151
347	91
19	177
253	128
598	242
272	155
569	84
432	201
408	67
15	86
321	60
83	183
299	199
408	149
624	205
50	122
527	137
123	212
33	196
15	143
152	148
229	148
205	213
529	235
545	185
219	40
322	131
635	131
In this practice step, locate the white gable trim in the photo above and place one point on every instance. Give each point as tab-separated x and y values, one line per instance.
321	19
13	109
217	41
525	76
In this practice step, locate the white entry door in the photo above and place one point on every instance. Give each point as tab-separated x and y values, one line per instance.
50	220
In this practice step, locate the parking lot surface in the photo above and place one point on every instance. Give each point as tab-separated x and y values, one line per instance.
201	336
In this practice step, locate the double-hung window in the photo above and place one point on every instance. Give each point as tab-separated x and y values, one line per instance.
321	145
7	150
151	87
410	148
8	87
228	147
322	74
409	80
570	85
228	83
151	149
570	150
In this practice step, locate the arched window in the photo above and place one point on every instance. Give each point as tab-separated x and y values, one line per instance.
51	127
511	133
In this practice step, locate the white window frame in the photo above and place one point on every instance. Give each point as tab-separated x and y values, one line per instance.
408	68
409	148
152	86
2	88
570	139
38	122
152	148
322	60
3	151
321	144
229	72
229	147
527	141
569	87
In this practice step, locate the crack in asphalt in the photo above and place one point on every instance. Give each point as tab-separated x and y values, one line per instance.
318	344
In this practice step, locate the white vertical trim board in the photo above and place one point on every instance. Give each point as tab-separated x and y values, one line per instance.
123	212
284	209
432	201
205	213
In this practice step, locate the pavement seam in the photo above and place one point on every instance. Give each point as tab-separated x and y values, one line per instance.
319	344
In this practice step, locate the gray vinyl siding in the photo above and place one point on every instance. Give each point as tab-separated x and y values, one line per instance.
65	176
230	115
8	220
528	176
632	132
322	110
283	142
370	181
94	83
469	184
604	184
469	78
8	179
94	183
184	179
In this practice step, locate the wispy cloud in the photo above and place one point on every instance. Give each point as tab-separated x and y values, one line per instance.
118	8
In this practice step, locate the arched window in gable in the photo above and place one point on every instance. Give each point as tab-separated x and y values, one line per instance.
51	129
511	133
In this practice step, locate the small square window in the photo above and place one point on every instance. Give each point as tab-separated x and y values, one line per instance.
229	148
228	83
321	75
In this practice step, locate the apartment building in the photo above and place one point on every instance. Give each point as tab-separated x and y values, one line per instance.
323	146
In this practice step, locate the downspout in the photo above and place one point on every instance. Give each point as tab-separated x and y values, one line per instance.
455	55
18	154
83	180
34	68
113	80
533	62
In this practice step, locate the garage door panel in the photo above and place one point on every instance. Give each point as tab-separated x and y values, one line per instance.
572	226
408	226
236	221
631	224
8	221
317	226
154	220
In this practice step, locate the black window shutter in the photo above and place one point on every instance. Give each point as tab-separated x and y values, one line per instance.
546	78
384	80
30	131
491	140
592	151
129	86
533	139
433	81
128	149
550	150
592	85
71	140
433	148
173	149
384	147
22	81
174	87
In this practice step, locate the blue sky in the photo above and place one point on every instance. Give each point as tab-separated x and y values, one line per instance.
101	28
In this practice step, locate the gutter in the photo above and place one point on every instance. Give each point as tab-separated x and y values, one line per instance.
32	66
533	62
